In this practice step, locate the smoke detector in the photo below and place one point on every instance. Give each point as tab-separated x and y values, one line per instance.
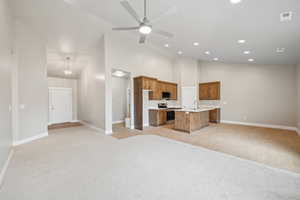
286	16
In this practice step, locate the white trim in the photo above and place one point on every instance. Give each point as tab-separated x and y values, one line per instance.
4	168
298	131
36	137
74	121
93	127
118	122
260	125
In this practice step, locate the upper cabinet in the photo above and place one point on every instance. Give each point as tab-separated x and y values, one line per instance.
168	87
157	87
209	91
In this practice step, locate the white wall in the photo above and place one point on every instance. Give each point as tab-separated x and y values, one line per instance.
263	94
91	89
6	39
298	98
123	52
30	78
119	98
186	74
67	83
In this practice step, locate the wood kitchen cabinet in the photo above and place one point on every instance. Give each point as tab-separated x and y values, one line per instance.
155	88
209	91
149	83
191	121
157	117
215	115
168	87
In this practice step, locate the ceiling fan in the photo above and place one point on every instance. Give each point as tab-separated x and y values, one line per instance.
144	25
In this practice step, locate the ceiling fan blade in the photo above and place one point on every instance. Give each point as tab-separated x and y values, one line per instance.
142	39
125	28
130	10
163	33
169	12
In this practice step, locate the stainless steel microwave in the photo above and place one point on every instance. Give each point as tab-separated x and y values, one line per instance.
166	95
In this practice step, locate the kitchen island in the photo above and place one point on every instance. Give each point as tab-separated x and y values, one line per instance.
190	120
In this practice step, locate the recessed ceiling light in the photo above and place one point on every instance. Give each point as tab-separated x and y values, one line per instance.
247	52
119	73
196	43
68	72
207	52
166	45
241	41
180	52
216	59
280	50
251	60
235	1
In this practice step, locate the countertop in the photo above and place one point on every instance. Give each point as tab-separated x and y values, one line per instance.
177	109
201	109
171	108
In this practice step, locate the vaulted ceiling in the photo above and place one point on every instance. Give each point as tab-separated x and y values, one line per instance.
73	26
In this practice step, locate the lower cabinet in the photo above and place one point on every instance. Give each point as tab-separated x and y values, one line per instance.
157	117
215	115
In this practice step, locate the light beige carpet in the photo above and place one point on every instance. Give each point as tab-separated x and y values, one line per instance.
273	147
81	164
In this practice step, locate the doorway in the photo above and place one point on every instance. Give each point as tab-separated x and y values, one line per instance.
121	99
60	105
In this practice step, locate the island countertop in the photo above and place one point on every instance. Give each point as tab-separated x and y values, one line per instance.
200	109
178	109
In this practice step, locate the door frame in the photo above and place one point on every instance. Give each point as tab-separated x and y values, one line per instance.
49	103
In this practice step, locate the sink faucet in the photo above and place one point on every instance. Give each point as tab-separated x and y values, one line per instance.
196	104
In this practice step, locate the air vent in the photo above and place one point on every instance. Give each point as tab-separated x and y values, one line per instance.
280	50
286	16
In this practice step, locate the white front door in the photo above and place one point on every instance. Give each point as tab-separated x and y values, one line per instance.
60	105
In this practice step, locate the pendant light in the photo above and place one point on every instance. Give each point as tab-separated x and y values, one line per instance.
68	70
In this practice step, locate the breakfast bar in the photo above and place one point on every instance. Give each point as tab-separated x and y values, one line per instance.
190	120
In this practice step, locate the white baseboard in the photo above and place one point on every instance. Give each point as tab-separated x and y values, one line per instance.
4	168
118	122
75	120
93	127
261	125
36	137
146	125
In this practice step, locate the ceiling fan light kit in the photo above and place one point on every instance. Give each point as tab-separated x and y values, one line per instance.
144	25
145	29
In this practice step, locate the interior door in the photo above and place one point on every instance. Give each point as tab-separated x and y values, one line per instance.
60	105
